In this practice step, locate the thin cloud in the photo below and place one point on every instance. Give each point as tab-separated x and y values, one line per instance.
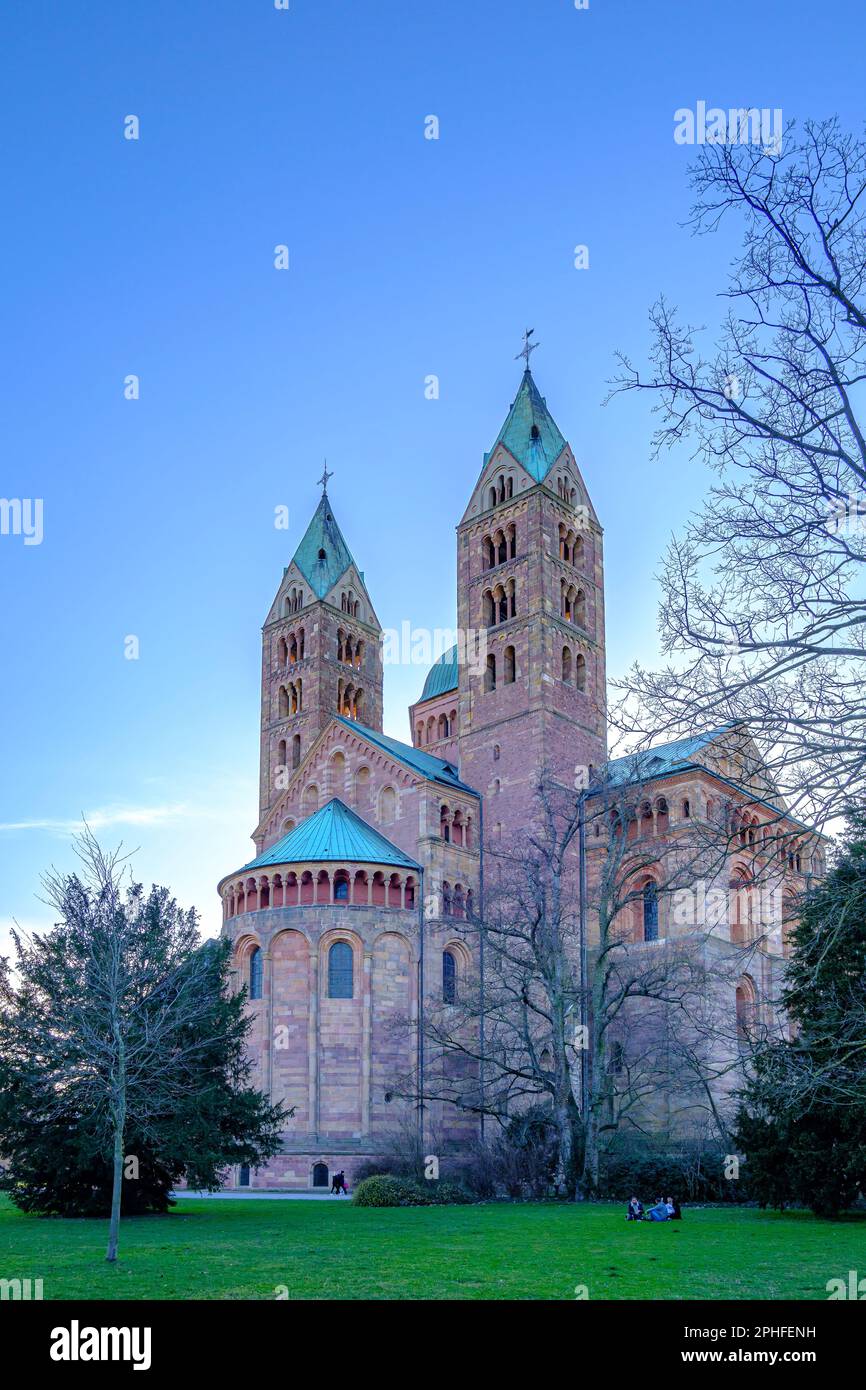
105	818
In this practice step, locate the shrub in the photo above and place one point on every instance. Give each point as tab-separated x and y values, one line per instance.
691	1171
518	1161
528	1151
448	1194
384	1190
387	1190
480	1171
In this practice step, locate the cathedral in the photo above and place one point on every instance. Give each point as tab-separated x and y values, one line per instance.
353	915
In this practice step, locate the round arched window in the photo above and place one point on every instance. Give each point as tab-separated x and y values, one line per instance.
257	971
449	977
340	971
650	912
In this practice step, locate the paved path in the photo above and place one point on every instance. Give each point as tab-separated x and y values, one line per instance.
261	1196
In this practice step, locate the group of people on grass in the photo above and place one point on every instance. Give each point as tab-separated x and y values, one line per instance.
663	1209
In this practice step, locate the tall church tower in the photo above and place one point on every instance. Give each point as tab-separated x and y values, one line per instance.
321	653
530	573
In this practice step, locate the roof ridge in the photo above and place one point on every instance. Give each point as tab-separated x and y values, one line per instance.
698	740
415	758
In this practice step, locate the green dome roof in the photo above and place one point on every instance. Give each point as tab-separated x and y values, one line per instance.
442	675
333	833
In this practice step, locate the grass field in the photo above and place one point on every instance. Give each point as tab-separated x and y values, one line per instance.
237	1249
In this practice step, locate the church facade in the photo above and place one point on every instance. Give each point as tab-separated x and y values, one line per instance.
353	916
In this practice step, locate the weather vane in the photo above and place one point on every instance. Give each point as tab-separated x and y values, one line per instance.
324	478
527	348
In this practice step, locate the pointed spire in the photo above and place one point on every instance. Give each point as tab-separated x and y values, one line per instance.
323	555
530	432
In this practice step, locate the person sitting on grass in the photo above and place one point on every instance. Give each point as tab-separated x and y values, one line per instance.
659	1211
673	1206
634	1211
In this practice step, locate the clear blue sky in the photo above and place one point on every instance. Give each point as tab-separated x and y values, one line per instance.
408	257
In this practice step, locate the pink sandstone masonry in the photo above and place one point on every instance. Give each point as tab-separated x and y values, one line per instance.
342	1049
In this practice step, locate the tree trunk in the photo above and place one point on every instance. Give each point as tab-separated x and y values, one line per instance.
596	1077
565	1159
118	1113
589	1177
117	1180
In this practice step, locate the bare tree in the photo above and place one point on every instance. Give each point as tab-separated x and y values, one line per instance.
650	1049
762	611
113	1011
562	981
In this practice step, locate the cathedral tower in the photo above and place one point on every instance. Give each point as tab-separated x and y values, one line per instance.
321	653
530	574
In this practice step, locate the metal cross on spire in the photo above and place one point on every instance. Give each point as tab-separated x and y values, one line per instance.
527	348
324	478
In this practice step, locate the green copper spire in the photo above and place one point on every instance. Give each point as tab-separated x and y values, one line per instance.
323	556
530	432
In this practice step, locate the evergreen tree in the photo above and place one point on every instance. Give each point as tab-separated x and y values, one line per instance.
802	1123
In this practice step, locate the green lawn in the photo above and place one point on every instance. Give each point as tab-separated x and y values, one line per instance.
238	1249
